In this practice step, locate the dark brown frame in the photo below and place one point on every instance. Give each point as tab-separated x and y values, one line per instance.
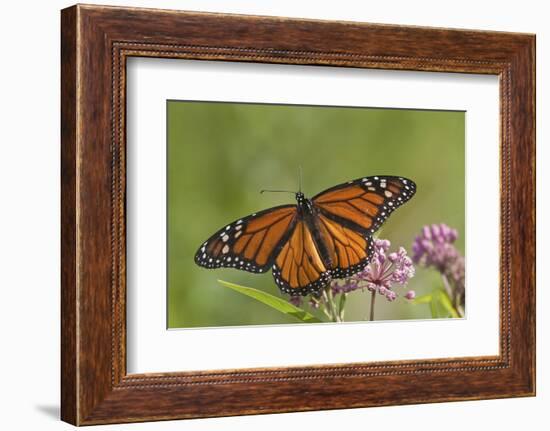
95	43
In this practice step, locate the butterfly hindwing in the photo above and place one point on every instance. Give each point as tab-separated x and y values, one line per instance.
348	251
251	243
365	203
299	268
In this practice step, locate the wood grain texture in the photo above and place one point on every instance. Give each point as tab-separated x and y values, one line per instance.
69	397
96	41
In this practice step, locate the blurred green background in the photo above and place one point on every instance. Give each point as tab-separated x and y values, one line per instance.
220	155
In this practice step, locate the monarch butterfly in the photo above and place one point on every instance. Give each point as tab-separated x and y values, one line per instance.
308	244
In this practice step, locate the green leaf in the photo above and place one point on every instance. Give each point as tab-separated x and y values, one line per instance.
433	309
445	301
274	302
424	299
427	299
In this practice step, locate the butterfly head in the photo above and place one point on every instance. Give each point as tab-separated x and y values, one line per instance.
305	205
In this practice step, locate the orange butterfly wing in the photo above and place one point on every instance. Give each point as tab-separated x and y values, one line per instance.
348	250
251	243
350	213
364	204
299	268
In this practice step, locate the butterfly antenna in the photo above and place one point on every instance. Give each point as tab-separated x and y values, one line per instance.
276	191
300	178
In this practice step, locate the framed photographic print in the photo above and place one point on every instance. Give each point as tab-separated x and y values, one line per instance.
258	208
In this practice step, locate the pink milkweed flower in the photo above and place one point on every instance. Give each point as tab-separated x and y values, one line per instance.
411	294
434	247
382	273
295	300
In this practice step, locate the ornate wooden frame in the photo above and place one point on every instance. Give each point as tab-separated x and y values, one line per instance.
95	42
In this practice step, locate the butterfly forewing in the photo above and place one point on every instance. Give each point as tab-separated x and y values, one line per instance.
365	203
250	243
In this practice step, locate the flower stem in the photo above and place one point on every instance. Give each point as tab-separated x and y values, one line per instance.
341	306
372	300
330	306
452	295
334	311
326	306
447	285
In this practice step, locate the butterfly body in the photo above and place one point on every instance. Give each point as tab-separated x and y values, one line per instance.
310	214
314	241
